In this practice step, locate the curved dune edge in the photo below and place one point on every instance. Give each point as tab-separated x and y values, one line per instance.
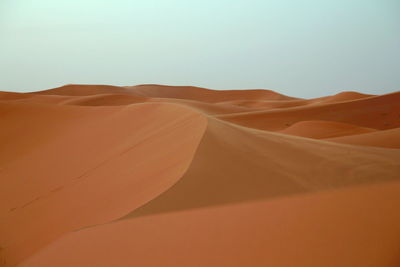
324	129
235	164
337	228
127	156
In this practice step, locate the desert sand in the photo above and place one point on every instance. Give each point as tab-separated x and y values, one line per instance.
155	175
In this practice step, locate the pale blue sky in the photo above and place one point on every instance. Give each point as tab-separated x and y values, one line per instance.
301	48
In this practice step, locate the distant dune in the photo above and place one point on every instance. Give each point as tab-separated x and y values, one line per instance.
155	175
324	129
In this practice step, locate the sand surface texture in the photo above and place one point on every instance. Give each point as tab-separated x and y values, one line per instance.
154	175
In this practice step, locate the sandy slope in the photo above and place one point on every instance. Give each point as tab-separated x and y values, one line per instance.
85	90
324	129
151	175
388	139
69	167
378	112
236	164
348	228
341	97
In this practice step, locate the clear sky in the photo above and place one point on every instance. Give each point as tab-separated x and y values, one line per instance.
301	48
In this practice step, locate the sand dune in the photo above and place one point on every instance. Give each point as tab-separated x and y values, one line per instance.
338	228
90	167
378	112
268	104
152	175
32	98
105	100
205	95
120	100
388	138
341	97
234	164
324	129
85	90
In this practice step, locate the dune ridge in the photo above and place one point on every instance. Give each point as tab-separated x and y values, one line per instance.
98	175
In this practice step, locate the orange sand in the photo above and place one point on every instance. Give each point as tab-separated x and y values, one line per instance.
150	175
324	129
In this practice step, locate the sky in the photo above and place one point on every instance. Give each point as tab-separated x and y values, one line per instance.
303	48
